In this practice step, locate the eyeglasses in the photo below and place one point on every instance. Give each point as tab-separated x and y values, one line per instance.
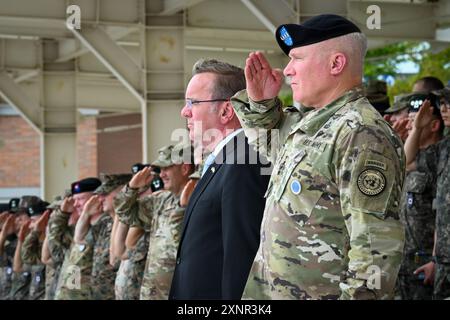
190	102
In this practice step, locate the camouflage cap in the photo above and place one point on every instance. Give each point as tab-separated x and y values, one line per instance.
112	182
55	203
444	93
171	155
400	103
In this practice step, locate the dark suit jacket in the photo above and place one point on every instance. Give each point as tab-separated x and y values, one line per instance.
221	226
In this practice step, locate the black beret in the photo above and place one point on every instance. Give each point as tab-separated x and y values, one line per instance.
316	29
14	204
37	208
85	185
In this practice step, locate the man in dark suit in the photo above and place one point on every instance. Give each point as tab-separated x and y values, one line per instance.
223	217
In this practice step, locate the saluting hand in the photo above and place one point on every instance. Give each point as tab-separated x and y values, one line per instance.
141	179
93	206
401	127
263	82
8	227
42	222
24	230
424	116
68	205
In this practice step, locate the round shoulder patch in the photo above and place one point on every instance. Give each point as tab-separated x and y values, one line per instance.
371	182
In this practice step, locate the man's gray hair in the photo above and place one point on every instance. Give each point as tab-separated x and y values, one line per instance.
353	45
229	79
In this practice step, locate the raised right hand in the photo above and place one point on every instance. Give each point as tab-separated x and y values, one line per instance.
263	82
141	179
424	116
24	230
68	205
42	222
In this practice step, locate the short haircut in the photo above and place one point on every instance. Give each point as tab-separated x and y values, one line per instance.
229	79
354	46
430	84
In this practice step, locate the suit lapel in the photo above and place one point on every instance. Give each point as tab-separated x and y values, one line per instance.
206	179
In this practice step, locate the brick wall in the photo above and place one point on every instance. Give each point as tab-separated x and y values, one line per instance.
87	147
99	148
19	153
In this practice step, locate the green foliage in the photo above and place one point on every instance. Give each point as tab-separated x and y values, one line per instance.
384	61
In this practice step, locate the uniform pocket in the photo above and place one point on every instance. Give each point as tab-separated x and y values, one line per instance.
416	182
299	191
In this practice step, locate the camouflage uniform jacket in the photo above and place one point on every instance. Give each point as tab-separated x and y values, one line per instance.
6	266
74	278
131	271
417	213
31	255
443	203
103	274
331	222
161	215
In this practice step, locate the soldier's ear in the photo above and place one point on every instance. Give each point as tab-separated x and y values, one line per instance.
337	63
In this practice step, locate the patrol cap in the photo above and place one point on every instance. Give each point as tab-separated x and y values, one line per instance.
36	209
112	182
313	30
85	185
13	205
443	93
171	155
55	203
400	103
376	93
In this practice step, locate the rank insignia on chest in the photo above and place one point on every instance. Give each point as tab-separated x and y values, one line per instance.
296	187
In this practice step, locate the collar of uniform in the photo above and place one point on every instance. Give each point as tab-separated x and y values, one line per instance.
314	120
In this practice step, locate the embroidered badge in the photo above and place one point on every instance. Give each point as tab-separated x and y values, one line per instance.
285	37
296	187
371	182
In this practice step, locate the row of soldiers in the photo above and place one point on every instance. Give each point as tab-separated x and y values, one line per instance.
108	238
116	238
422	120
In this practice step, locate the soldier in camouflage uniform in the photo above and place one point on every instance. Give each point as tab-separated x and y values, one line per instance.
74	261
94	229
8	242
331	227
417	213
131	271
51	271
22	275
439	267
160	214
397	116
32	247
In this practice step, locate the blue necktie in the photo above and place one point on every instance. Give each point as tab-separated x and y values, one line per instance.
209	160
